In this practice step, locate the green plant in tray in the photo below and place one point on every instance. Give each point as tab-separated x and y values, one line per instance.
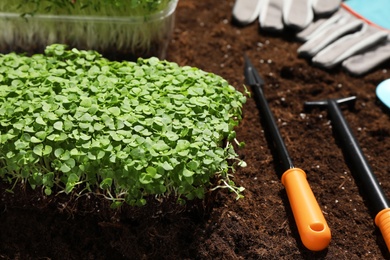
129	28
86	7
70	118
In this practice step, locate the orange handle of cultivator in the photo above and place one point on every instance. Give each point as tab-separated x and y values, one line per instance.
311	223
382	220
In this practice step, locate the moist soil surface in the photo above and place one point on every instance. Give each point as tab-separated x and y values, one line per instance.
261	225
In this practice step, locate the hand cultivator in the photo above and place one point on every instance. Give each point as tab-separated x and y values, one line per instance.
360	167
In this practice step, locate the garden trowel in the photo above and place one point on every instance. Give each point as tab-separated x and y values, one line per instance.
312	227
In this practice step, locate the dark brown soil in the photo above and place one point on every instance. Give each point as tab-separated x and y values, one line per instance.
261	225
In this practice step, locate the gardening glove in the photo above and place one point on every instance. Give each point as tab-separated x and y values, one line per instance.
357	36
275	15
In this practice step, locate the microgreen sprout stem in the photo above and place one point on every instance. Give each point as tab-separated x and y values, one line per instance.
70	118
232	187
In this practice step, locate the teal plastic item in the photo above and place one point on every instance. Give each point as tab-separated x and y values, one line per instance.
383	92
376	11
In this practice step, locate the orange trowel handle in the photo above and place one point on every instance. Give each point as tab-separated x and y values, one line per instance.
382	220
312	226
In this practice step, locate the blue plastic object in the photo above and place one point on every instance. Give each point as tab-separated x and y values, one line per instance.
376	11
383	92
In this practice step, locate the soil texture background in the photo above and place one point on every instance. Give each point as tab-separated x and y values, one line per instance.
261	225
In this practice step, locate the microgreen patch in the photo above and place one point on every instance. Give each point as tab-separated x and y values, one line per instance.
126	7
132	129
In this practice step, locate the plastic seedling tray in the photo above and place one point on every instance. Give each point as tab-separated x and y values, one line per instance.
110	32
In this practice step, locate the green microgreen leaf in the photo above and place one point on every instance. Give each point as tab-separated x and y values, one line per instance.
58	125
106	183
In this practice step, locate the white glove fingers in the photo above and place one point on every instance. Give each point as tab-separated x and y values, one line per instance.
329	34
297	14
312	29
325	7
363	63
322	24
271	15
246	11
349	45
